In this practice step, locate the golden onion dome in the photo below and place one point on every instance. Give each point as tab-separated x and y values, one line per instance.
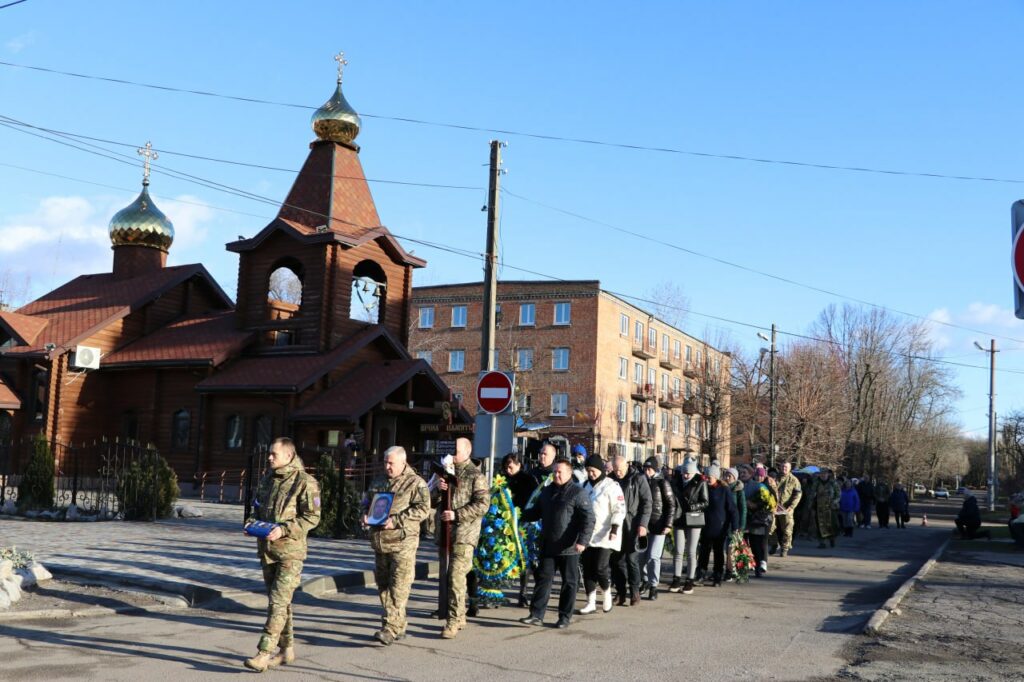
141	223
336	120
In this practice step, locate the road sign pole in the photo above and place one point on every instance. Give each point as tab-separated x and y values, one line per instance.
494	431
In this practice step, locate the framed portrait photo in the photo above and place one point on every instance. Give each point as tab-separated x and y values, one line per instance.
380	509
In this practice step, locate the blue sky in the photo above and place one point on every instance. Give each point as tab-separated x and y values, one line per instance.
916	86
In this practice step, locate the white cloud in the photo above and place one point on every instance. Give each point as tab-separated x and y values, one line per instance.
938	332
991	314
19	43
189	220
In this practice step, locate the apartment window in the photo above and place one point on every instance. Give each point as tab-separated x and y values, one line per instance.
718	365
623	368
622	411
686	427
624	324
563	312
664	383
638	331
456	360
698	357
689	390
524	358
689	353
652	416
559	404
664	344
652	377
675	423
676	347
675	385
523	404
427	317
458	316
652	337
560	359
638	413
427	355
527	314
638	372
664	420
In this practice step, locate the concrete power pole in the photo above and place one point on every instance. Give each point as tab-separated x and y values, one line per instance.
491	260
772	402
993	474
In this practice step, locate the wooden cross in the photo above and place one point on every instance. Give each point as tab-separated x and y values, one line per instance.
340	58
149	155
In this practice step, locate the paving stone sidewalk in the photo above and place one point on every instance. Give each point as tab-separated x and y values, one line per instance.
202	558
963	621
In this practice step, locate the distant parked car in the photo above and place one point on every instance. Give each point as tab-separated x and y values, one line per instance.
941	492
962	490
919	489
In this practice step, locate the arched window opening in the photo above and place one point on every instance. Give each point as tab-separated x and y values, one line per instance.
368	293
233	432
181	425
284	298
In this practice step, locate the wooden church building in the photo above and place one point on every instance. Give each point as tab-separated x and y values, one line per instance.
314	347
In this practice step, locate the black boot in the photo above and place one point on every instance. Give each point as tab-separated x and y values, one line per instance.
653	595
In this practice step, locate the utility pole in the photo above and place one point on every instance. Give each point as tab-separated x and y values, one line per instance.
491	260
491	286
993	481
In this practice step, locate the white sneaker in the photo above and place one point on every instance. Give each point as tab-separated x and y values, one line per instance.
607	605
591	604
764	566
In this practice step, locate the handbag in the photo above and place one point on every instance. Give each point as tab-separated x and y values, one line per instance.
693	519
906	517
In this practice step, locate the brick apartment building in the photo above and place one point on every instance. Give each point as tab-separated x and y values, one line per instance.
590	367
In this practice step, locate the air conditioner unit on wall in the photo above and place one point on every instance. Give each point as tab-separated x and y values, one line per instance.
86	357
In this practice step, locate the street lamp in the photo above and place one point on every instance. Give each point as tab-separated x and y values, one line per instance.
771	394
992	473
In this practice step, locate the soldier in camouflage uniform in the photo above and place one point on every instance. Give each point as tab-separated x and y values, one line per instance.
290	497
788	497
395	543
470	500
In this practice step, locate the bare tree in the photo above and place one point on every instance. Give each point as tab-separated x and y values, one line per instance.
1010	453
14	289
670	302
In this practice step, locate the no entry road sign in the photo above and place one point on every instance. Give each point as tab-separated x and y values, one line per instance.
494	392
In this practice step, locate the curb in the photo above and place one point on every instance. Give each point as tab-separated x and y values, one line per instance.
891	606
331	584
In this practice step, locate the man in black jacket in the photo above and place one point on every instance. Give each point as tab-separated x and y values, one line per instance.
567	522
626	562
663	510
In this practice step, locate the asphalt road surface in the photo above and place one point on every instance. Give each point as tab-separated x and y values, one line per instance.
795	624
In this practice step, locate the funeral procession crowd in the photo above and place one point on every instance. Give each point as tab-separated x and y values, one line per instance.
606	524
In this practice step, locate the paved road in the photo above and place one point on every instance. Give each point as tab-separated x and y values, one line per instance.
793	625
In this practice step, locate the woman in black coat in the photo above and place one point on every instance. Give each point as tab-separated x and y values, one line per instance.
720	520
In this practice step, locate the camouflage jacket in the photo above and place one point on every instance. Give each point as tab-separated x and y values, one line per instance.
789	492
410	506
290	497
470	501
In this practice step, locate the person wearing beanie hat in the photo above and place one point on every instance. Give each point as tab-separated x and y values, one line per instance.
761	502
626	561
720	520
609	514
730	477
691	493
663	507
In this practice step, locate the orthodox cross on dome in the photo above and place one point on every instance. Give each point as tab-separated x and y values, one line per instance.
149	155
342	62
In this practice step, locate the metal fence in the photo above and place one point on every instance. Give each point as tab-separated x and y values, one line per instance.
105	478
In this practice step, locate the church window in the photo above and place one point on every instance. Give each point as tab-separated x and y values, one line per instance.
181	425
233	432
40	394
263	430
130	426
284	299
368	293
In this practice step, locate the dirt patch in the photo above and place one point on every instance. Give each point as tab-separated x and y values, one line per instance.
964	621
61	595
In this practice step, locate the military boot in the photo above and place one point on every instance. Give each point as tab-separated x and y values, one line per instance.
450	630
259	662
284	656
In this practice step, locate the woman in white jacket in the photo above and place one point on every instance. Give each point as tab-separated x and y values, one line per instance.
609	513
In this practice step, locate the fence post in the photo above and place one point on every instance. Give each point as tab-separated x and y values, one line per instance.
339	525
248	485
75	455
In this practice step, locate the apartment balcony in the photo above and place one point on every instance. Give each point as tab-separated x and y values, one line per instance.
691	369
639	432
670	399
669	361
642	350
705	446
642	391
691	405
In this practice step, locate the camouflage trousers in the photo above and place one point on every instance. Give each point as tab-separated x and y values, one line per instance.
459	566
281	578
394	572
784	531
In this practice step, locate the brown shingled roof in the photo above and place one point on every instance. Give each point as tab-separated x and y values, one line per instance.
206	340
290	373
9	400
88	303
23	328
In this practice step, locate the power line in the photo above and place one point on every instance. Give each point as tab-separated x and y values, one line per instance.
749	269
536	136
12	4
199	157
473	254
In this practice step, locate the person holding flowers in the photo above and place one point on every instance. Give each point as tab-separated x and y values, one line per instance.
761	504
609	506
